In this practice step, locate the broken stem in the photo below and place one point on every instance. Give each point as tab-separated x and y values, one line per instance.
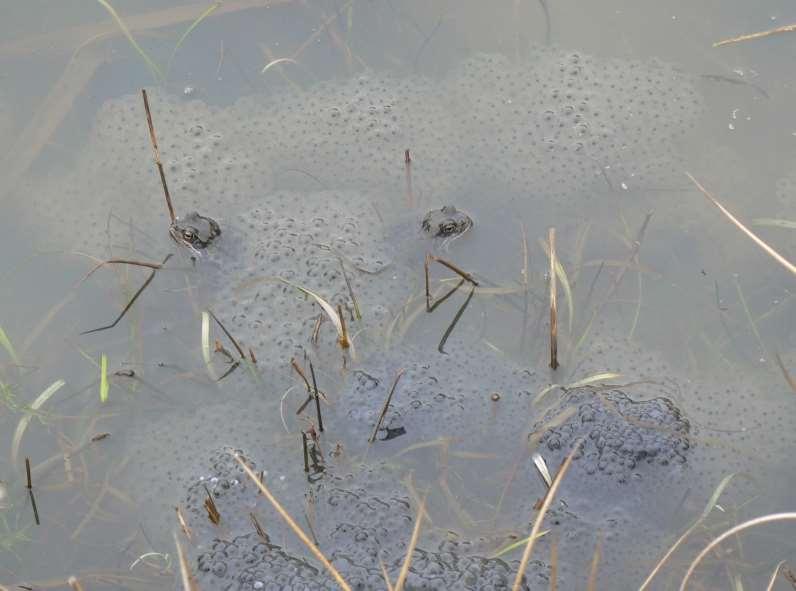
157	156
386	406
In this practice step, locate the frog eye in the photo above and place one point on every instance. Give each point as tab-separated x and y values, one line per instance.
189	234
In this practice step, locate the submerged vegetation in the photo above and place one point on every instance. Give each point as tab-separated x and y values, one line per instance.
81	487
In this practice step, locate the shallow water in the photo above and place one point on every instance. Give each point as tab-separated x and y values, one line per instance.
303	167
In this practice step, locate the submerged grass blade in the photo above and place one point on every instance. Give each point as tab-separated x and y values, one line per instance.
772	518
517	544
774	223
206	345
773	578
5	342
399	583
714	498
326	307
276	62
187	32
595	563
587	381
537	524
293	525
104	378
152	65
23	422
785	373
757	240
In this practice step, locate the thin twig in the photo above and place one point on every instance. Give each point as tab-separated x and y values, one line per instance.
537	524
729	533
421	511
460	311
770	251
122	262
293	525
317	398
229	335
132	300
758	35
788	378
156	151
386	405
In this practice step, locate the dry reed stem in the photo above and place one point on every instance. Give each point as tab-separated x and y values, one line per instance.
421	511
770	251
537	524
293	525
758	35
185	571
386	405
386	576
553	301
729	533
156	151
183	524
132	300
595	563
773	578
786	374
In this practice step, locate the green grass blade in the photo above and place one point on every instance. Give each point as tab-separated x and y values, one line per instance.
23	422
188	31
104	378
152	65
6	344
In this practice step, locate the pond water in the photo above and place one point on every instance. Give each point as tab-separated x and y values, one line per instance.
319	136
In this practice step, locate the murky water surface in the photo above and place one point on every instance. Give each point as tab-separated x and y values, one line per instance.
319	136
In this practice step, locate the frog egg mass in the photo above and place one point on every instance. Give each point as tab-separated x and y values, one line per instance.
306	185
554	125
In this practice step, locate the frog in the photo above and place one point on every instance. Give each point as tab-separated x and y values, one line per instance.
195	231
446	222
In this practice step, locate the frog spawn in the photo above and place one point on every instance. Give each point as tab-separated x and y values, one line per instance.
355	519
